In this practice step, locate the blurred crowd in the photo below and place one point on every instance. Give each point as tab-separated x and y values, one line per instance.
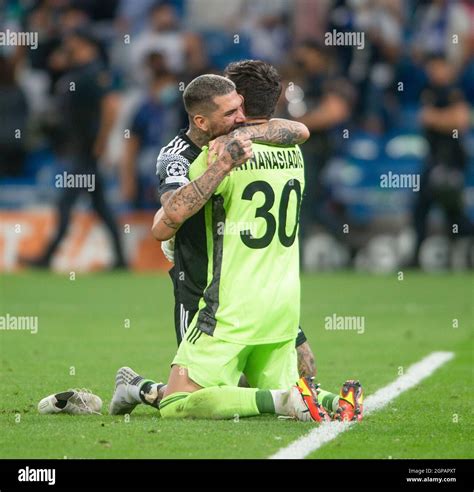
414	72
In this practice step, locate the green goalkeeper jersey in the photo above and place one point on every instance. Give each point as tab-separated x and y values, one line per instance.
253	286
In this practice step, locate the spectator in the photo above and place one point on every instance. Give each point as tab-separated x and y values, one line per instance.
310	19
436	24
268	30
14	111
329	101
183	51
208	15
132	17
444	117
53	20
156	120
370	67
87	108
382	22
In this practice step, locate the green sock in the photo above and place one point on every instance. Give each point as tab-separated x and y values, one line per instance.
328	400
264	400
219	402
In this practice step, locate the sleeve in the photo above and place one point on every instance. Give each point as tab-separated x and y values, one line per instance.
172	171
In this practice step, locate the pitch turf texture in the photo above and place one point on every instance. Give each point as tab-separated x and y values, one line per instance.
82	331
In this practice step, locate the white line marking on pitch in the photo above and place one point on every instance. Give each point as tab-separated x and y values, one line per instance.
329	431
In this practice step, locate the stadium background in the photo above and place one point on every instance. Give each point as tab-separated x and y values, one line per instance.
372	99
89	325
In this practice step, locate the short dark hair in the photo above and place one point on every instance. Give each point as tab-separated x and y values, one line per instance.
259	83
198	97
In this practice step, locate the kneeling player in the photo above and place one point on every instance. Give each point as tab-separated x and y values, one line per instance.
237	330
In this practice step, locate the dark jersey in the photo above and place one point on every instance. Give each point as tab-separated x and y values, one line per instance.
79	94
189	274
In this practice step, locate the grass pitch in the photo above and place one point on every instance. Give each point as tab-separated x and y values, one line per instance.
89	327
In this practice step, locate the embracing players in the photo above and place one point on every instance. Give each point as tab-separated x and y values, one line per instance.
239	328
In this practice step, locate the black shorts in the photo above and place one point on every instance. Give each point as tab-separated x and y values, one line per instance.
182	319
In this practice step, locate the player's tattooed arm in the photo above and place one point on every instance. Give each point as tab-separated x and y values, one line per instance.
183	203
306	362
163	228
276	131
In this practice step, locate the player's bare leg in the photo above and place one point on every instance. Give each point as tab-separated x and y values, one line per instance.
306	362
307	369
180	382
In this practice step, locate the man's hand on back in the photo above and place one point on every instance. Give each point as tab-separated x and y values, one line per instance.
190	198
230	150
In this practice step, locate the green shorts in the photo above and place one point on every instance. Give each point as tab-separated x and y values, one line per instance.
213	362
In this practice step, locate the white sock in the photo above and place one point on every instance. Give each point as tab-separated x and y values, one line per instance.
134	393
280	400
